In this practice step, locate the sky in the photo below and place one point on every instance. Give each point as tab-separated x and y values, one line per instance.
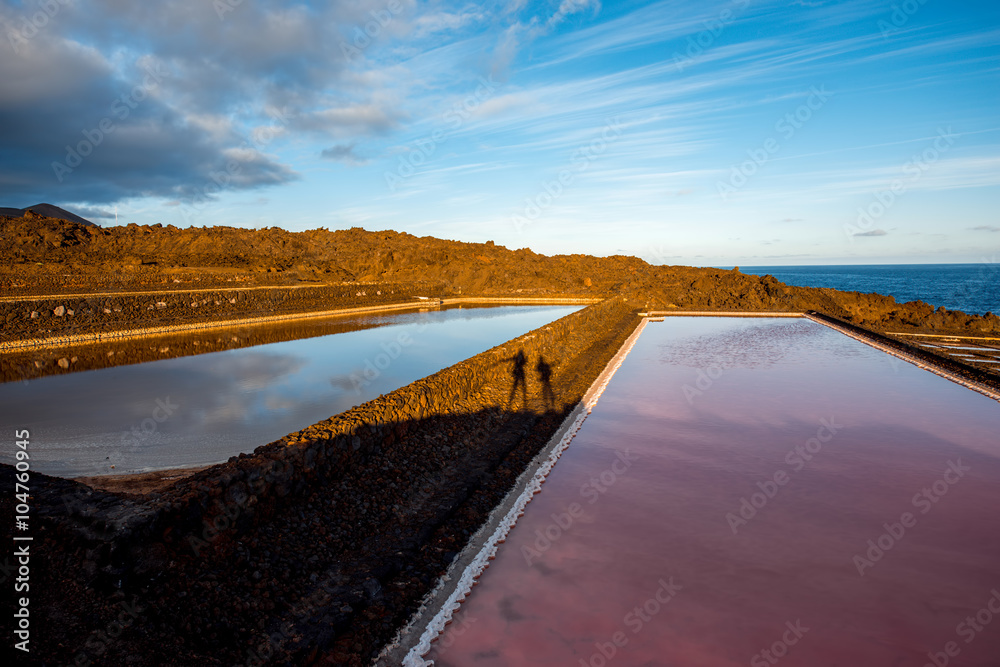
704	133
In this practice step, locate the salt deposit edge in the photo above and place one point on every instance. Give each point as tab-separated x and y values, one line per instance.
408	648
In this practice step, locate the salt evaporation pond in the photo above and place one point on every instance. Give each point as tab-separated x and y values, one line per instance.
716	509
199	410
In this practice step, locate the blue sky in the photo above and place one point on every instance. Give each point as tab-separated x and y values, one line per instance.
704	133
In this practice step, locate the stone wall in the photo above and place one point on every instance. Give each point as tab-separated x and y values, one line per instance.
352	438
323	542
72	314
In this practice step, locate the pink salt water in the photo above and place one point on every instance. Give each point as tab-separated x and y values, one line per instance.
755	492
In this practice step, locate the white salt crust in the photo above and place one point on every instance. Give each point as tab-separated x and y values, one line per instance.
468	577
472	571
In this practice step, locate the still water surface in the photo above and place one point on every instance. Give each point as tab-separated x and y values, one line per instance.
715	504
203	409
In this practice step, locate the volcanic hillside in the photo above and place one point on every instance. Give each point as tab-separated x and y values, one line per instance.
47	210
41	255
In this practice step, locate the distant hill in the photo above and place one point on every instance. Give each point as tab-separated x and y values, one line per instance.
49	211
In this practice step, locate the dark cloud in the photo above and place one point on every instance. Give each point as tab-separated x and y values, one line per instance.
344	383
92	213
507	610
986	228
343	153
874	232
178	100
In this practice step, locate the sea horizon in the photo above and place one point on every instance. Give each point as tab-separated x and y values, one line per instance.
970	288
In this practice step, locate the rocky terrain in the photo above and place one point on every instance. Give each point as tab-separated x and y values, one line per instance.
317	547
40	255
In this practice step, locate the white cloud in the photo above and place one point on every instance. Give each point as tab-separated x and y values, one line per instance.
569	7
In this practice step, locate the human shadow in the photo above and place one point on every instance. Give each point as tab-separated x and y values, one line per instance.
544	371
520	380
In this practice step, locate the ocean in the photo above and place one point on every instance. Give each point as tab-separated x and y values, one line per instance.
971	288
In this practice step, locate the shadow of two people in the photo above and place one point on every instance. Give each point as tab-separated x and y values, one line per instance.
519	362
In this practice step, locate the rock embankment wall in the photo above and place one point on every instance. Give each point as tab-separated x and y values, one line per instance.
479	384
26	363
322	543
67	315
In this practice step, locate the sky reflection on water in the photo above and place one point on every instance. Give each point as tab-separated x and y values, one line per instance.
203	409
709	411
